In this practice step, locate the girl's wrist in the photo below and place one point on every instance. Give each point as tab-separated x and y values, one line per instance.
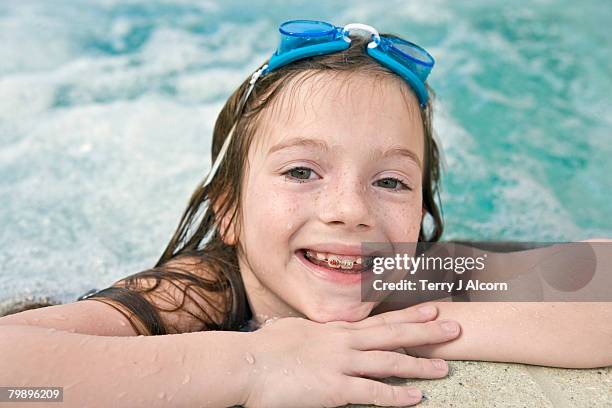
221	370
243	365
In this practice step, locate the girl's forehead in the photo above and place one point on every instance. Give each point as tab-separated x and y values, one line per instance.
342	108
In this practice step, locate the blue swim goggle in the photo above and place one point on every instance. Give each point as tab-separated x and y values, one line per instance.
306	38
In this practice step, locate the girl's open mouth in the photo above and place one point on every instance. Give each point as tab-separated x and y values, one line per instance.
347	264
336	268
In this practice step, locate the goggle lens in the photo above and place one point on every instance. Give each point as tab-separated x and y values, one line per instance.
411	55
300	33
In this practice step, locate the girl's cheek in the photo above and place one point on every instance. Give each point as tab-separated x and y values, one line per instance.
404	220
277	208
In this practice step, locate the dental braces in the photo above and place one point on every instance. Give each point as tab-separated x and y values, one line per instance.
334	262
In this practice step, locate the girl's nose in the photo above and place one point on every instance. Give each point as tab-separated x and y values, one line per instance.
346	203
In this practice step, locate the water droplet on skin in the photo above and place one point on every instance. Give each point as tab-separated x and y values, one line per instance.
51	330
122	323
270	320
229	373
186	379
285	371
249	358
161	395
299	361
36	320
121	394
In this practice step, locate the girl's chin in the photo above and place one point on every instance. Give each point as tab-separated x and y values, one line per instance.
345	313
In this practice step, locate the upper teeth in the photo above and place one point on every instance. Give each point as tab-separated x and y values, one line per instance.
335	261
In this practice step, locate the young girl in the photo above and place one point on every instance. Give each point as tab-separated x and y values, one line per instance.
328	145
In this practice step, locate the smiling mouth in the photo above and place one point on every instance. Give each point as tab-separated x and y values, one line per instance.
340	263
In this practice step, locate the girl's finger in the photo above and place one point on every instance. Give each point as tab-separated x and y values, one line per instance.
363	391
408	315
395	335
382	364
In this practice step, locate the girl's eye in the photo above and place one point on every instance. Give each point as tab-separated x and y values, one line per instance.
392	183
300	174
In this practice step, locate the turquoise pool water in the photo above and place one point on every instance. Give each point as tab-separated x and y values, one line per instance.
107	107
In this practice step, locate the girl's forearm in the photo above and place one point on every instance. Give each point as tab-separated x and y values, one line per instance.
572	335
192	369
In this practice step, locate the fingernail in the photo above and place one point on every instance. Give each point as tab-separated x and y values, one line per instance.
450	327
427	310
439	364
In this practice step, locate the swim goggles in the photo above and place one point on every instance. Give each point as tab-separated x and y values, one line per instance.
306	38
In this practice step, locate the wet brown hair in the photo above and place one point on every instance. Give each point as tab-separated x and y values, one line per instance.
196	283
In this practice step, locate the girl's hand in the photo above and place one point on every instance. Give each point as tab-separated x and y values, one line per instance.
297	362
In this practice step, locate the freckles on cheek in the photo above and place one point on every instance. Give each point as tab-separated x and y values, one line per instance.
273	206
405	223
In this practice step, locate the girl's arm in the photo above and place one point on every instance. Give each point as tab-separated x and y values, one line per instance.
193	369
85	317
283	363
571	335
558	334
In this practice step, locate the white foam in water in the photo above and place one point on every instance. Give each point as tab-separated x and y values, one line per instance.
108	106
96	170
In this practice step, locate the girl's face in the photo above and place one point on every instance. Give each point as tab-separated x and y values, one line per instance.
337	161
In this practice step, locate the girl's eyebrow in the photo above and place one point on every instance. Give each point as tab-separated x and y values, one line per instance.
322	145
299	141
399	151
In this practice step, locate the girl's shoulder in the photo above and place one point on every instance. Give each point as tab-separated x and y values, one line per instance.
179	296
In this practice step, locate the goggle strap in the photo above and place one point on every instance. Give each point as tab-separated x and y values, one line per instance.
277	61
230	134
219	158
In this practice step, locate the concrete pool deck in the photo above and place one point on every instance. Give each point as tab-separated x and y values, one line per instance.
485	384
